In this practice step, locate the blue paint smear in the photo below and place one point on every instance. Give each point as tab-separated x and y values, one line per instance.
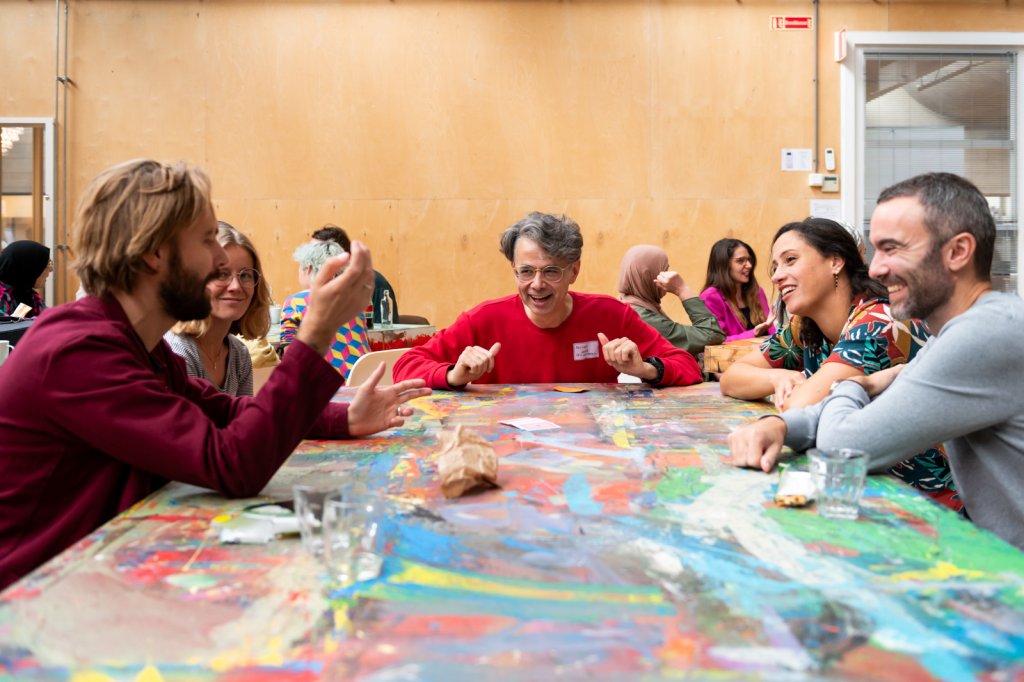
577	496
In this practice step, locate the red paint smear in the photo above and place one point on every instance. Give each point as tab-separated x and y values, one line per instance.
834	550
880	666
462	627
268	675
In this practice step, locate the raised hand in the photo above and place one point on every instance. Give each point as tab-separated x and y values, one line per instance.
672	282
333	301
624	356
376	408
473	363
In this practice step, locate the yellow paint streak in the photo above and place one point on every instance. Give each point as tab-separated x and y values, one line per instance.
91	677
149	674
941	571
432	577
401	469
621	438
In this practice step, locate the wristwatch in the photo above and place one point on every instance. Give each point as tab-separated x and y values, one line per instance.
658	365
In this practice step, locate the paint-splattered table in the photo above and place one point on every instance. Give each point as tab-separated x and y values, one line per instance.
619	547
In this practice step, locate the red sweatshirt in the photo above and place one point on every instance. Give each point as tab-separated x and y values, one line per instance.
91	423
569	353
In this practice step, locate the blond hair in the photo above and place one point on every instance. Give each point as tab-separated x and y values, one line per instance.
255	323
131	210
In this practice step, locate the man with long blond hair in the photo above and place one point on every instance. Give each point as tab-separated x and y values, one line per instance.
96	412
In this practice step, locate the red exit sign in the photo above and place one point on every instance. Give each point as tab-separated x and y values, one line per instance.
792	23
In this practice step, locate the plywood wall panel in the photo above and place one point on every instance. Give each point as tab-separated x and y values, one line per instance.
426	127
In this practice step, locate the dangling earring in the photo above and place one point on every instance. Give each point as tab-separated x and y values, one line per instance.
835	278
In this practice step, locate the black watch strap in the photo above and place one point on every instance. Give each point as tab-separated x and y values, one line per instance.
658	365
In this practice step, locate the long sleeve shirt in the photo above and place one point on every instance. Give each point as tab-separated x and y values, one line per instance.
702	331
568	353
731	324
964	388
91	422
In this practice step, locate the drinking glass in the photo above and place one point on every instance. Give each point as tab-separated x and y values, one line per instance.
839	477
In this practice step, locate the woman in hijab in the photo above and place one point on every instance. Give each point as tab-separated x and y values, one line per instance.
644	279
24	267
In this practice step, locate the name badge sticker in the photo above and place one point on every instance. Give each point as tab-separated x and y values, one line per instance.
585	350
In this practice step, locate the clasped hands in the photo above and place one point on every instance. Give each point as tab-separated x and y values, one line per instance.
622	354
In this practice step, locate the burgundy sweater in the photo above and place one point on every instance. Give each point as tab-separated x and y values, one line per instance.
568	353
91	423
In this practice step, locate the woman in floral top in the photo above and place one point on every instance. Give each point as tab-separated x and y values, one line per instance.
840	326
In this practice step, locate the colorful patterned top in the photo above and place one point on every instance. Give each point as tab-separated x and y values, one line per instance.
871	341
8	303
350	343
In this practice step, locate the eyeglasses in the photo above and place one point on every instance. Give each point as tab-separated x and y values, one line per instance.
552	274
247	277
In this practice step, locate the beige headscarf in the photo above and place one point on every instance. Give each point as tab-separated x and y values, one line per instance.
640	266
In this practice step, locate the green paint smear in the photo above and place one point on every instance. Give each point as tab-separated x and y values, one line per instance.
891	546
681	484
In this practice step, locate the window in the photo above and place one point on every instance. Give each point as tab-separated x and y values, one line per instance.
26	184
922	107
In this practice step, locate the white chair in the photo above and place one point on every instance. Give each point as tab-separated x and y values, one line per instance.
367	363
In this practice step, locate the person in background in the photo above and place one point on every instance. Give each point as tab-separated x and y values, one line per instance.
239	305
645	278
24	267
547	333
840	326
97	412
350	341
732	293
330	232
934	237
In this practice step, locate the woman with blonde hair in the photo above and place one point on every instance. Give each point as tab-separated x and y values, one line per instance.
240	304
732	293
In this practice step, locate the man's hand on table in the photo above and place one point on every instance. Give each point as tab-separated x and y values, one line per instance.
624	356
376	408
757	445
472	364
333	301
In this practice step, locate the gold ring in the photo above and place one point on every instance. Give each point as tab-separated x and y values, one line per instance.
367	286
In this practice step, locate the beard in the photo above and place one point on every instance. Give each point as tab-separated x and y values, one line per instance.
183	294
928	286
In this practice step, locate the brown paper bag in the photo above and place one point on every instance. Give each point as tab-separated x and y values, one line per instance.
465	462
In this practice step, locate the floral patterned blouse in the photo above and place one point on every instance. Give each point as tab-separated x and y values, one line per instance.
871	340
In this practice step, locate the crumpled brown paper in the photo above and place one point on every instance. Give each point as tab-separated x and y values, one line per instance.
465	462
261	353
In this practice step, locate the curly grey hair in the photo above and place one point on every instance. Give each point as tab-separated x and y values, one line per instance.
559	236
312	255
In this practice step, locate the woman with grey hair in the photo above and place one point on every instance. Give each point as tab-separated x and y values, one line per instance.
546	333
350	342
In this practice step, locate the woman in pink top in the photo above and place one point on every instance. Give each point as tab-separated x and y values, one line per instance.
732	294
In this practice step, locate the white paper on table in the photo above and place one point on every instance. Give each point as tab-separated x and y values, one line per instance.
530	423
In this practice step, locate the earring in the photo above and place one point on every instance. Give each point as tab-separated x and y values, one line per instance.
835	278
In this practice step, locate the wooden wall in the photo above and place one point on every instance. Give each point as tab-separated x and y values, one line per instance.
424	127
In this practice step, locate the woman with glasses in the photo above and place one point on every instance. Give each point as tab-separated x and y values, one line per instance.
350	341
644	279
24	267
240	304
732	293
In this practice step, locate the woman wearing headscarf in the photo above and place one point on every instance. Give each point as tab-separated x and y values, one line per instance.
644	279
24	267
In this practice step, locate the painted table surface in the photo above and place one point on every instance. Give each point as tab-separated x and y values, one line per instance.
620	546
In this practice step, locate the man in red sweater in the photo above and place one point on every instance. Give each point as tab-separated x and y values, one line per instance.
546	333
96	411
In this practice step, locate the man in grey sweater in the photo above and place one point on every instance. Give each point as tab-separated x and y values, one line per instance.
934	237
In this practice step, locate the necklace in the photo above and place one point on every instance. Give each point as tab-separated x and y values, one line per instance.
215	359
